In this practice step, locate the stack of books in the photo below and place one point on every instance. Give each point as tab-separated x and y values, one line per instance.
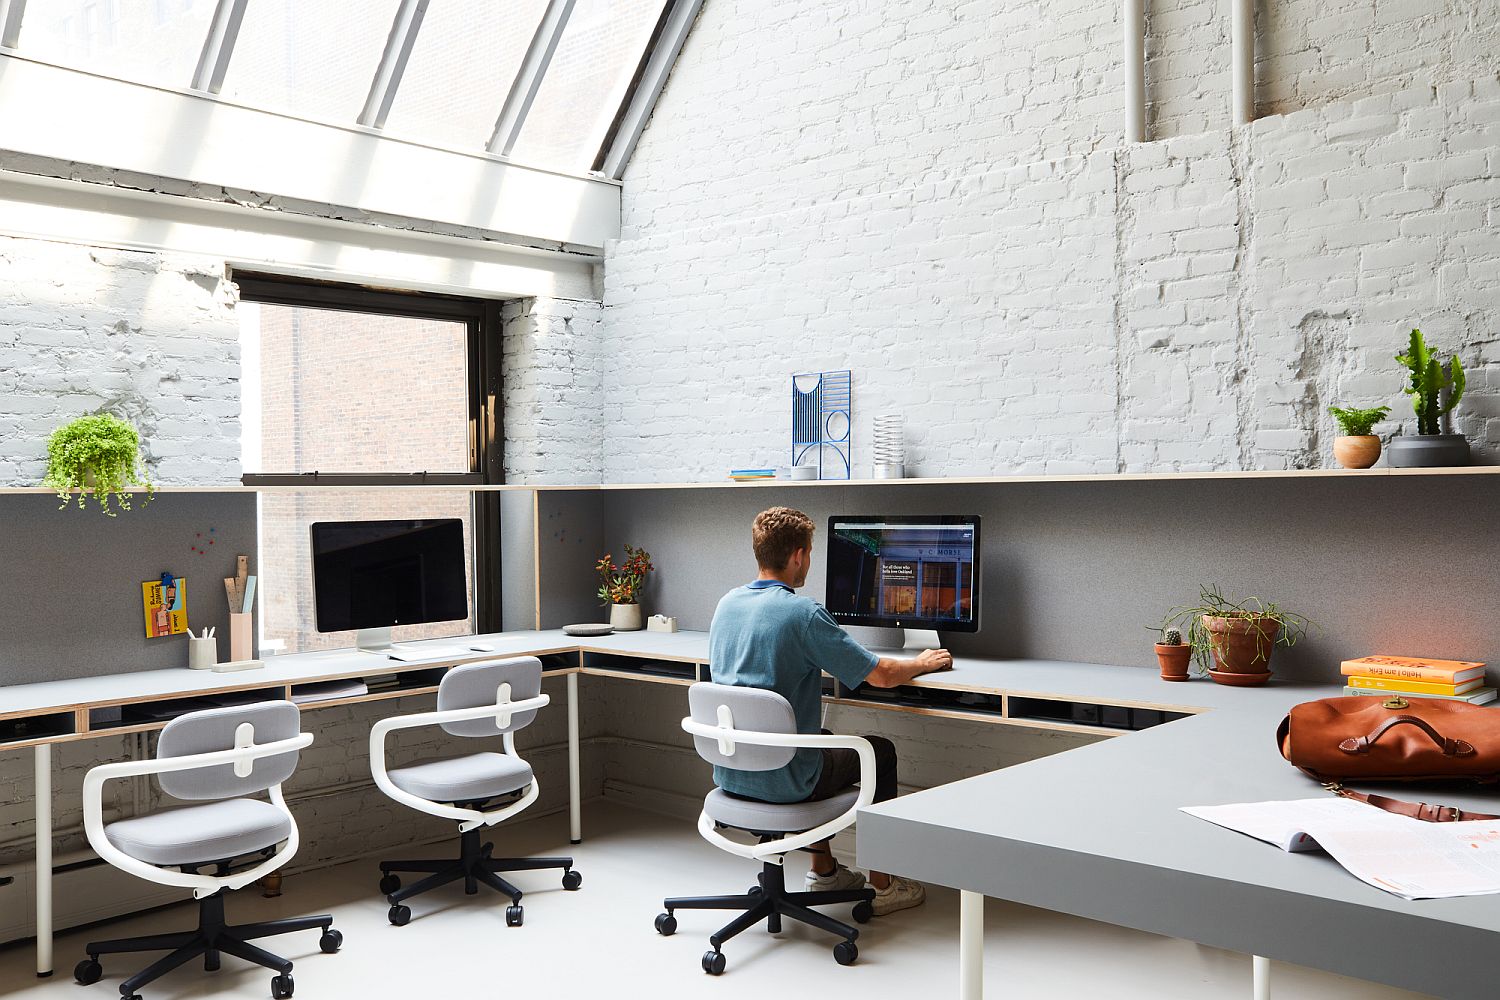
751	475
1417	677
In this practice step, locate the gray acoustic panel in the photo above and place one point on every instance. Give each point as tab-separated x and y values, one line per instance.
73	579
517	561
570	540
1076	571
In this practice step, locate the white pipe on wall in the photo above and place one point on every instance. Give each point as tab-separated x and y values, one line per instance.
1242	61
1134	18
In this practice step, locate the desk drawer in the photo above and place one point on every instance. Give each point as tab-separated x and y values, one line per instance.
36	727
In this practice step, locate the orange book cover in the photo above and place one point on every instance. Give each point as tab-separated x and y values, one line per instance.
1418	687
1414	668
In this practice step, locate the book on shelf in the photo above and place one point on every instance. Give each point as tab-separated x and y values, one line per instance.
1478	696
1415	687
1413	668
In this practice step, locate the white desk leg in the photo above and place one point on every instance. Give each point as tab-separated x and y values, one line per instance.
1261	974
43	879
575	819
970	945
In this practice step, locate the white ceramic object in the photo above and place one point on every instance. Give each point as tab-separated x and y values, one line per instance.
890	446
804	472
625	617
203	654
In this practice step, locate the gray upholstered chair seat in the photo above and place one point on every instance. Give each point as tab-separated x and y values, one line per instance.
775	817
214	831
473	778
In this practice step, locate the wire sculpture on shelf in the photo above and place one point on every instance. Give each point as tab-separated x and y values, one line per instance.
822	421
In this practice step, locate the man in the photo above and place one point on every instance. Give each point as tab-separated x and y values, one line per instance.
766	636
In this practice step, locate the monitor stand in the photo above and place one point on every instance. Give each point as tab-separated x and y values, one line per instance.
881	637
373	640
918	639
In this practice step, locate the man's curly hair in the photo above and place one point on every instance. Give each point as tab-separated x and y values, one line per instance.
777	533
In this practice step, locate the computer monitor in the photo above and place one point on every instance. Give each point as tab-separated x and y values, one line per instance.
372	575
913	572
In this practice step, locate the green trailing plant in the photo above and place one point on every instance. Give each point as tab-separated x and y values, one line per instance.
1358	423
1290	626
623	584
98	456
1428	380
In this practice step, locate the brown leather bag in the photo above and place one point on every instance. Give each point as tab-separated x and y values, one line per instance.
1394	739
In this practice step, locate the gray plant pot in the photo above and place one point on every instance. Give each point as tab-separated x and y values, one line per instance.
1427	451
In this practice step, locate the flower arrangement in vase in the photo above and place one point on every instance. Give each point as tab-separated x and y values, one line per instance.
620	586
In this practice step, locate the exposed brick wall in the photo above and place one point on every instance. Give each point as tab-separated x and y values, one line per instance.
554	391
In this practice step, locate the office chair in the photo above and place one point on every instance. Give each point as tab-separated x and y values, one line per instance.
220	758
749	729
479	790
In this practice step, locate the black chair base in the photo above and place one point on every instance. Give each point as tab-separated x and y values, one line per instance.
770	901
212	938
476	868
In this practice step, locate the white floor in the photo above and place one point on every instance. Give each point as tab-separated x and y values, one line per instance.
599	941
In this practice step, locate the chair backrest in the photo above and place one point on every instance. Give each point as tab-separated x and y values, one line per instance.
749	709
476	684
214	729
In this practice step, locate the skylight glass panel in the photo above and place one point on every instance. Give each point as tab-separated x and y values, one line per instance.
313	58
583	88
465	58
145	41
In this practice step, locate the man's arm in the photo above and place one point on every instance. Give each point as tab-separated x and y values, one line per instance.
891	672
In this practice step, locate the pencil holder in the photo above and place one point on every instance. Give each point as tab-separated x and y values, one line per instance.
239	637
202	653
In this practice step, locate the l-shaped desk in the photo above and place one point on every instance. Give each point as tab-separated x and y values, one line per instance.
1049	833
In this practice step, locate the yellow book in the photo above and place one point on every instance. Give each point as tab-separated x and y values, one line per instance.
165	607
1413	668
1415	687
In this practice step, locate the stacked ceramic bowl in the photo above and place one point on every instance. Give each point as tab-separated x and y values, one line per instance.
890	446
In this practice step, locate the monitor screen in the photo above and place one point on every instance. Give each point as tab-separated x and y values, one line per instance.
910	572
375	574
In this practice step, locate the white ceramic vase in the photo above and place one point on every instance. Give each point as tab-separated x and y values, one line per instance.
625	617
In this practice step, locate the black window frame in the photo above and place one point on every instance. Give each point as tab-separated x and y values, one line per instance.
485	422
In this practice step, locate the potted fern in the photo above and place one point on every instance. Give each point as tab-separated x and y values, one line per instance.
1434	393
1232	640
98	456
1357	448
620	587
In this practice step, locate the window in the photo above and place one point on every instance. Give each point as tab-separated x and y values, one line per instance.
154	43
345	389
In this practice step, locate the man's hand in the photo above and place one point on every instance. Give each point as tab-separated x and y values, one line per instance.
931	660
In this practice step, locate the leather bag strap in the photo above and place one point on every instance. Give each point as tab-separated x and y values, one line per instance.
1450	747
1424	811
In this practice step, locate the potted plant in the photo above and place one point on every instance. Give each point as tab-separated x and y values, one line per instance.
1430	447
621	586
1357	448
1172	655
1232	640
98	456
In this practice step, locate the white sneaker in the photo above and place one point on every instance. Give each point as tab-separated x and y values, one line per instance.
840	878
903	893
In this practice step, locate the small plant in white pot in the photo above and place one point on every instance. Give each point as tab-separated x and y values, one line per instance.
1358	448
620	587
98	456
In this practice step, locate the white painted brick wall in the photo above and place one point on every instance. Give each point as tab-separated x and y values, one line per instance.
151	338
554	424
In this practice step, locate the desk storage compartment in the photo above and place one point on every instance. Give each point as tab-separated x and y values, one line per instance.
1083	713
646	667
416	679
36	727
145	713
558	661
911	696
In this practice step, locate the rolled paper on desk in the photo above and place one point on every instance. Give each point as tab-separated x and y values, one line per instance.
239	637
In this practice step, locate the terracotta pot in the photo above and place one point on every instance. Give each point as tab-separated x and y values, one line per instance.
1358	451
1242	646
625	617
1173	660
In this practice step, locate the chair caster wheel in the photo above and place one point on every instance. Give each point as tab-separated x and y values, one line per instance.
87	972
389	884
666	925
713	963
572	880
863	911
331	941
845	952
400	915
754	890
514	915
282	986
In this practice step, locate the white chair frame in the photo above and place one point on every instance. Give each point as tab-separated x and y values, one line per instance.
772	851
202	885
469	819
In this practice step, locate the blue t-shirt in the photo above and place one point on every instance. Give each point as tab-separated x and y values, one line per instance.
765	636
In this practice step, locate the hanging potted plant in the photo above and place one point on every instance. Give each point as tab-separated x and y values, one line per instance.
620	587
1434	393
98	456
1232	640
1358	448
